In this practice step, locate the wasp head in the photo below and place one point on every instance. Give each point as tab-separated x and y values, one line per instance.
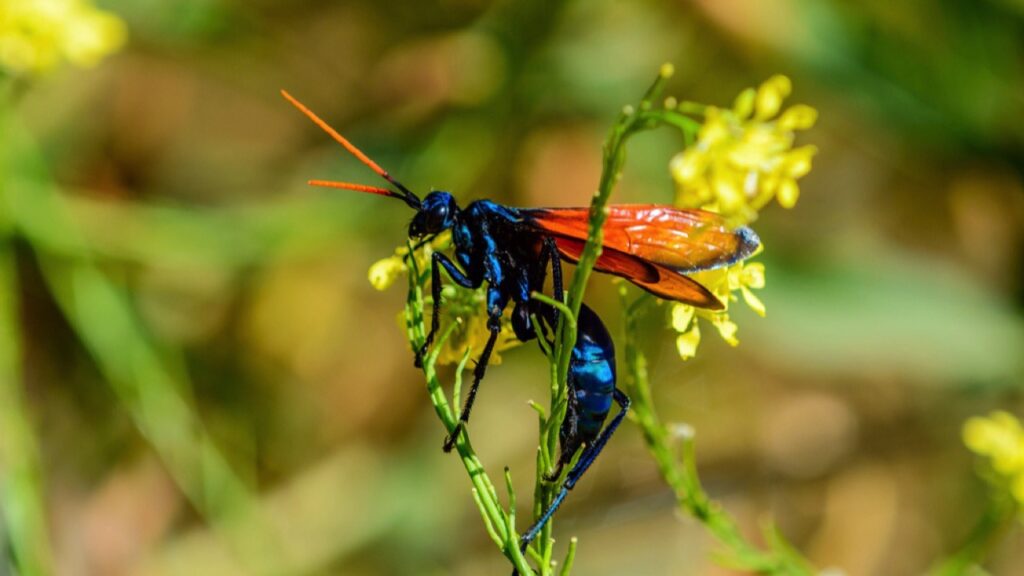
436	214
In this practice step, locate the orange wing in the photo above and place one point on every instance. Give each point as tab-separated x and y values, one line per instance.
681	240
656	279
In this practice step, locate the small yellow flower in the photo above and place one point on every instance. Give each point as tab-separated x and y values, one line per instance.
468	310
743	277
1000	438
384	272
750	278
36	35
687	342
744	156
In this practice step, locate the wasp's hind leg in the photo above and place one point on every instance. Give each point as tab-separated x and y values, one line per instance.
589	455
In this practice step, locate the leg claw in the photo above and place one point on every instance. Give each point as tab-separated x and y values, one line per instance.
449	441
420	355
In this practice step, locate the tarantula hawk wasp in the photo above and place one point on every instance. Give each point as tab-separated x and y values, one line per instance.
509	249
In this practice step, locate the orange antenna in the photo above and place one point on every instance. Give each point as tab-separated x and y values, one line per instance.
356	187
406	195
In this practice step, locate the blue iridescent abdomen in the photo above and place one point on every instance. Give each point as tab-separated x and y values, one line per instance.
592	374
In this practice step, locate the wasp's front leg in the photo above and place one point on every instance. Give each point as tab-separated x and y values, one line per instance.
437	261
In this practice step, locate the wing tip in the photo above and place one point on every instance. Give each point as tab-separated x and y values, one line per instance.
714	304
749	242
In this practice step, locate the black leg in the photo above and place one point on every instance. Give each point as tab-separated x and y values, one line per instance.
556	268
588	457
478	374
435	312
437	261
549	253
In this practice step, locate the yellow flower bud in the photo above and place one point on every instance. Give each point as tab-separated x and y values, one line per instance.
714	130
726	328
686	167
788	193
798	162
730	195
770	96
383	273
682	315
753	275
743	106
686	343
753	301
799	117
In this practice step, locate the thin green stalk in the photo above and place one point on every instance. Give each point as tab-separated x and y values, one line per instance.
497	521
680	473
991	527
570	557
630	122
694	108
21	484
23	522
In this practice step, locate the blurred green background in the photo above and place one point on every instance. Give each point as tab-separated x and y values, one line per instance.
213	386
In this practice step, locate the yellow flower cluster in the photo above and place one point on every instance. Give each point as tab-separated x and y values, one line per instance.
742	277
36	35
467	309
744	156
1000	438
742	159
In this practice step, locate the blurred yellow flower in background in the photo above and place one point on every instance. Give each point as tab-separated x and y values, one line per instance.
1000	438
744	156
37	35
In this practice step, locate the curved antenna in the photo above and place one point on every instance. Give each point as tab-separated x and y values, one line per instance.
406	195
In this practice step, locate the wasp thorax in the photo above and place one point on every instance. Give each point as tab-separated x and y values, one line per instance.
437	214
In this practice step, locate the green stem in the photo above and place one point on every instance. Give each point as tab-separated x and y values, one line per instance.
21	485
570	557
630	122
680	473
23	524
497	521
989	530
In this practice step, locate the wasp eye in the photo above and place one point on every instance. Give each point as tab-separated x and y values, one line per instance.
436	217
